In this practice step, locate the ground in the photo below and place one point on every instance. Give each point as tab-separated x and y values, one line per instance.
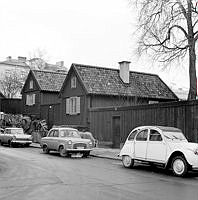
27	173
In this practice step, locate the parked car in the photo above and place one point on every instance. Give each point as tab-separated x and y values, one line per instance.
15	136
66	141
164	146
88	135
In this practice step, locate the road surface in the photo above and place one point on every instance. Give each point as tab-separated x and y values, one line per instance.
27	174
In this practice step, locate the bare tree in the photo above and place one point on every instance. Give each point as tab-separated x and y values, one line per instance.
38	59
11	83
169	30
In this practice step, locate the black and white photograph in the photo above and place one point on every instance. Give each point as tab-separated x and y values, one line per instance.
98	100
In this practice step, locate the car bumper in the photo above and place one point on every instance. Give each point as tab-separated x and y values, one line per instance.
78	150
21	142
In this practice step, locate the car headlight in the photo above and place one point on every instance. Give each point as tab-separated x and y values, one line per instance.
69	142
90	143
196	151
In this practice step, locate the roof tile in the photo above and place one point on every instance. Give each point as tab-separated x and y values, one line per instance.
106	81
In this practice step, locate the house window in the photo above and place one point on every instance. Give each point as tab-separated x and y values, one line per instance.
73	105
73	82
31	84
30	99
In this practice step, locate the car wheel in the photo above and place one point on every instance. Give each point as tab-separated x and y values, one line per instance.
1	143
179	166
45	149
10	143
86	154
127	161
62	152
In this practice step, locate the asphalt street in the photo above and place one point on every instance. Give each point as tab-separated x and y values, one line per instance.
27	173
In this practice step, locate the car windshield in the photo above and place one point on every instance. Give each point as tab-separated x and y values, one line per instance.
174	135
69	133
17	131
86	135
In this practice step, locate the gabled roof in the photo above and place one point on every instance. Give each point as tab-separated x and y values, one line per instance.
106	81
1	95
49	80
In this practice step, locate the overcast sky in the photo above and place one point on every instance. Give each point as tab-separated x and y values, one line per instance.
94	32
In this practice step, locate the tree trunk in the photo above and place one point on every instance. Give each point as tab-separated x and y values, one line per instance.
192	56
192	73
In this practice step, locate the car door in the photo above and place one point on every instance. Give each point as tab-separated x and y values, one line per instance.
129	144
55	139
156	150
7	136
140	144
49	139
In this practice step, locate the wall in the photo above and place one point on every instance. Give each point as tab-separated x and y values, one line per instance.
183	115
11	106
79	119
49	98
34	109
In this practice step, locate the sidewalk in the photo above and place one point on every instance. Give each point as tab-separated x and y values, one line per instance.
96	152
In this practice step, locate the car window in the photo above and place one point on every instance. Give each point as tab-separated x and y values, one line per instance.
18	131
155	135
142	135
51	133
7	131
55	133
69	133
132	135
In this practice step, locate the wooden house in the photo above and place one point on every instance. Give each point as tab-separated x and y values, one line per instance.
40	94
87	87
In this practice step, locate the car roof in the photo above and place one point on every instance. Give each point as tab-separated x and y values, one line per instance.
60	128
163	128
13	128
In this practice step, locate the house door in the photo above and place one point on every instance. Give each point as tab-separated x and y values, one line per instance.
116	131
50	116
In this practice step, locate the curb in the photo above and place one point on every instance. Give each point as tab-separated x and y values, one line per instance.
106	157
97	156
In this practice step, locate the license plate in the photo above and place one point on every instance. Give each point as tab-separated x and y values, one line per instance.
80	147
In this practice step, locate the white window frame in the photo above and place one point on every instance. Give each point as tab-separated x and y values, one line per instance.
31	84
73	105
30	99
73	82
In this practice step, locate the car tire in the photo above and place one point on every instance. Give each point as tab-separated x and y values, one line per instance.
127	161
179	166
1	143
45	149
10	143
62	152
86	154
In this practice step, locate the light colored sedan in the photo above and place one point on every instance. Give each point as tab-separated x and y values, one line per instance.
163	146
66	141
15	136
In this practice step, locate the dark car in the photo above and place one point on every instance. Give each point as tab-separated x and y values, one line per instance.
88	135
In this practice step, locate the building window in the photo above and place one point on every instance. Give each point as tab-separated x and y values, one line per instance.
31	84
30	99
73	105
73	82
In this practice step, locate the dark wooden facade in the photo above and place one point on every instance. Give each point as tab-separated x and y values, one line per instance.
97	98
183	115
46	92
11	106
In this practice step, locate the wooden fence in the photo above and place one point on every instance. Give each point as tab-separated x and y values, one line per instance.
182	114
11	106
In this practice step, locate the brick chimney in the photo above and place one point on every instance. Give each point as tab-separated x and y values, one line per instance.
124	71
20	58
9	58
60	63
